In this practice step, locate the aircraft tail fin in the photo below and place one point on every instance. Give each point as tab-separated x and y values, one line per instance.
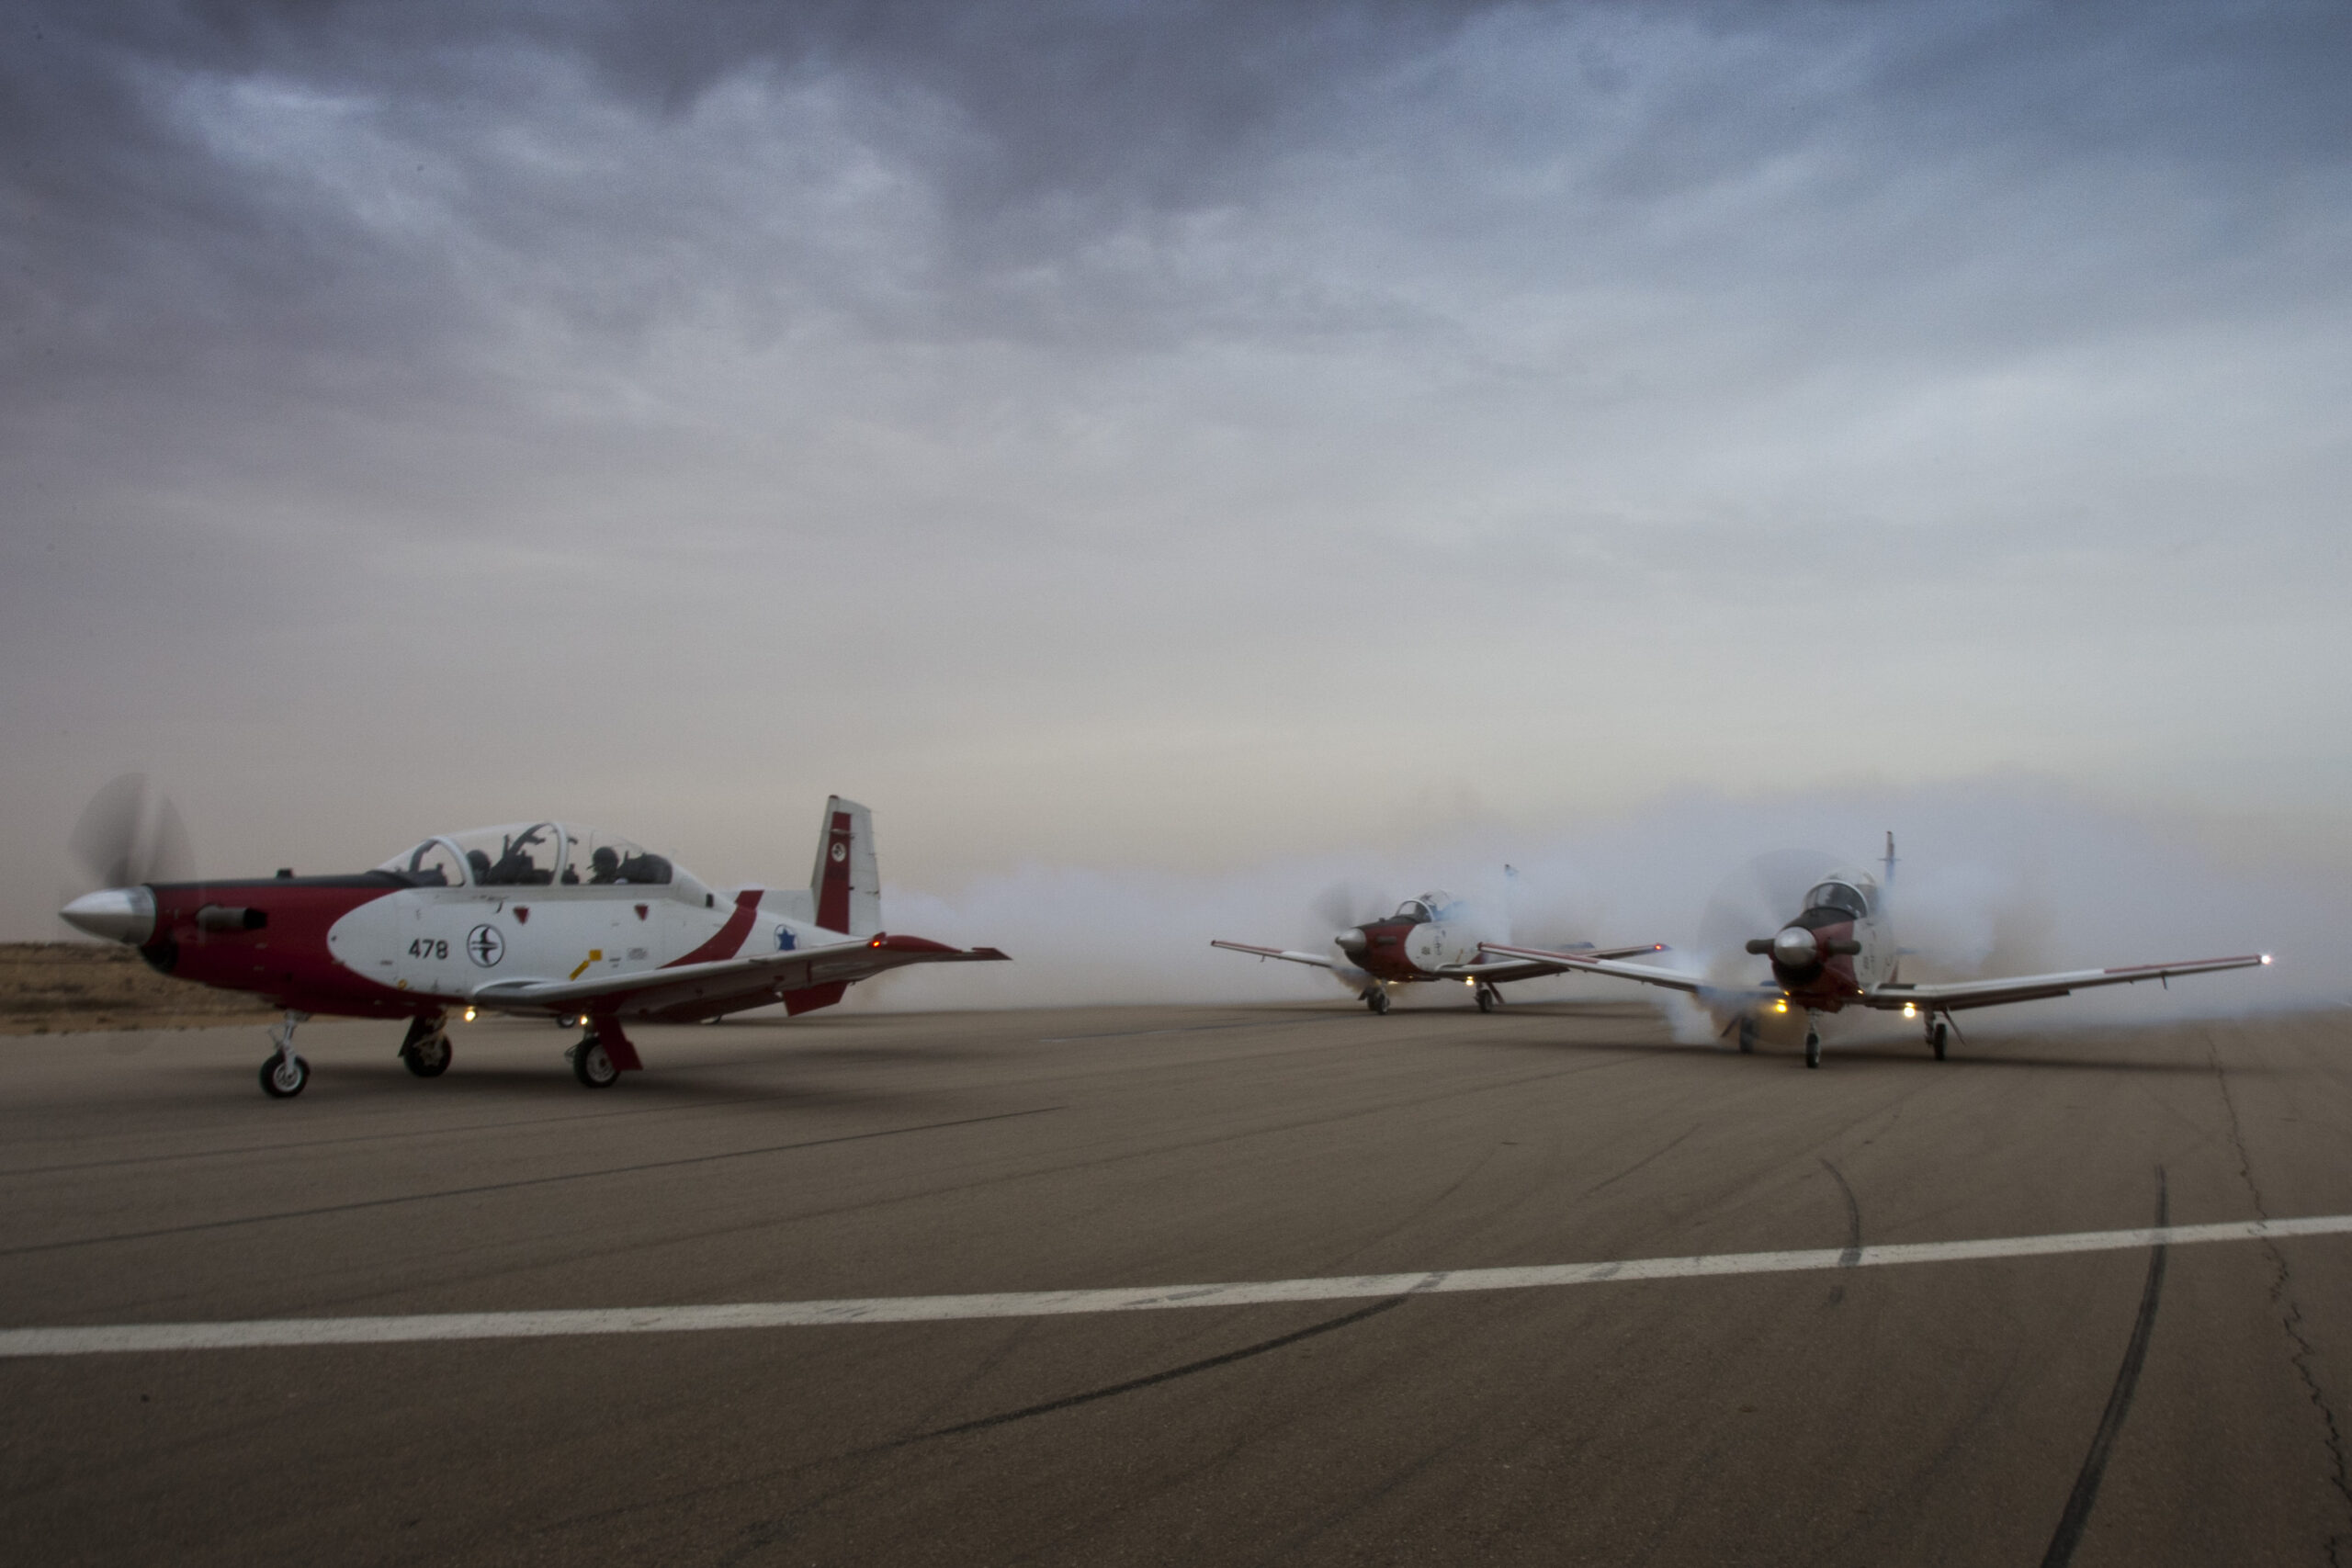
846	887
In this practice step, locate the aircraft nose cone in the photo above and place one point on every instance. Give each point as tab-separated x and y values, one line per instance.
118	914
1353	940
1794	948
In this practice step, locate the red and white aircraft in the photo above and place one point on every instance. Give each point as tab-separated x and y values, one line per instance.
1839	951
1433	937
538	918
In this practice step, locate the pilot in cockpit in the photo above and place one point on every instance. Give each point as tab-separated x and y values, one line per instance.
516	867
603	866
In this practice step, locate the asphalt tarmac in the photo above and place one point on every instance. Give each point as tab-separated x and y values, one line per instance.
2136	1405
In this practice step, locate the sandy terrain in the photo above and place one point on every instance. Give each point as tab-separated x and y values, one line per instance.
48	988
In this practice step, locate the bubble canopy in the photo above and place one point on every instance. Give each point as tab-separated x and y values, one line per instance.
533	855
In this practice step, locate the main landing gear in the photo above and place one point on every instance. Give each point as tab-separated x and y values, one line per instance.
426	1051
1375	997
1488	997
591	1064
603	1055
1811	1042
1748	1034
1936	1037
283	1074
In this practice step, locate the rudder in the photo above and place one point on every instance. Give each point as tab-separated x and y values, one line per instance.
846	887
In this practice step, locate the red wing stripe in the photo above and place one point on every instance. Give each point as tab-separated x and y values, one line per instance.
731	935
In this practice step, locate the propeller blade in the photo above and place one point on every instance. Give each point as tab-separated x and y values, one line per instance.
128	834
169	856
1343	905
1762	895
106	840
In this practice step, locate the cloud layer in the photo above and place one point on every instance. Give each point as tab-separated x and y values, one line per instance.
1168	438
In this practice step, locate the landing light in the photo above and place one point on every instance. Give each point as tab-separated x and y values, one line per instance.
1781	1006
1910	1011
469	1015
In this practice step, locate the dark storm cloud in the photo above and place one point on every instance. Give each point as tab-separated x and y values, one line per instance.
1029	381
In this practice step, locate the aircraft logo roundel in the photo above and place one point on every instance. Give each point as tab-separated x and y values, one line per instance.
485	946
840	852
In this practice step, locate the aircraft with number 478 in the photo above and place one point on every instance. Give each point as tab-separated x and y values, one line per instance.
1433	937
1839	951
542	918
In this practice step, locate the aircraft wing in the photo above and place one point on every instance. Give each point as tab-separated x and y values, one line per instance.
729	980
1948	997
1594	964
1283	953
1497	973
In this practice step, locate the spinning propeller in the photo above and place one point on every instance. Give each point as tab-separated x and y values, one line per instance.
131	834
1751	907
128	836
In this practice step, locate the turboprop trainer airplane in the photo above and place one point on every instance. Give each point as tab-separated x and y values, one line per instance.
538	919
1433	937
1839	951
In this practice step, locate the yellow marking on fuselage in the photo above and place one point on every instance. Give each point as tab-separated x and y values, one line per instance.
594	956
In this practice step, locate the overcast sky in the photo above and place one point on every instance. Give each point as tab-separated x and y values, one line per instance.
1167	440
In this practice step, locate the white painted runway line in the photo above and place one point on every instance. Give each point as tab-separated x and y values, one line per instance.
101	1340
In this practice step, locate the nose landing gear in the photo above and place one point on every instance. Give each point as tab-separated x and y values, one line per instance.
283	1074
1812	1043
1375	997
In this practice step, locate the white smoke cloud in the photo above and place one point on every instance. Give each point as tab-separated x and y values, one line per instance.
1994	878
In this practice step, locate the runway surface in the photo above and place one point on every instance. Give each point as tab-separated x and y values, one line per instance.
964	1256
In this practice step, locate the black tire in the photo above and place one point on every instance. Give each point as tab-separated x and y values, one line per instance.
1936	1039
593	1066
1811	1050
428	1059
1377	998
1488	1000
284	1085
1747	1036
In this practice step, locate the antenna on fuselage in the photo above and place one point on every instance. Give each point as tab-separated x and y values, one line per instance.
1890	859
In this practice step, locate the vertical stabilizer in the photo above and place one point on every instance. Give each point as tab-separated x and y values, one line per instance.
846	887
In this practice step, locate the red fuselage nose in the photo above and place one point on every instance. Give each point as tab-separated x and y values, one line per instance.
1813	959
1382	953
269	936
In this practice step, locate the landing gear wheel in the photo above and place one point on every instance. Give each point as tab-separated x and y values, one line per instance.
1812	1048
427	1058
1747	1036
592	1065
1377	998
1936	1040
282	1077
1488	1000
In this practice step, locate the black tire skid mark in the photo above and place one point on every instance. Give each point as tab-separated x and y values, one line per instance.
404	1136
2076	1516
1851	1253
963	1186
776	1532
476	1190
